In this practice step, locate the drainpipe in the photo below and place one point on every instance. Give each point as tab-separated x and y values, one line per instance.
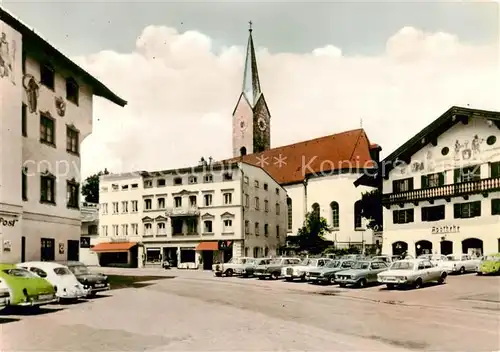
242	199
305	182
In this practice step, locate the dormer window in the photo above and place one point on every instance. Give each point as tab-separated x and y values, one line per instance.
148	184
72	90
178	181
208	178
161	182
227	176
192	180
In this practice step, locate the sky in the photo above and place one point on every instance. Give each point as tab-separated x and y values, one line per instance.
324	67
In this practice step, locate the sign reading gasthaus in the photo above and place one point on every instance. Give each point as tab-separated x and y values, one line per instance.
8	222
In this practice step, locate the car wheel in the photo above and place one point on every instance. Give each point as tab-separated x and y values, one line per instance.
218	274
332	281
390	286
362	283
418	283
274	276
442	279
288	279
229	272
462	270
479	273
342	285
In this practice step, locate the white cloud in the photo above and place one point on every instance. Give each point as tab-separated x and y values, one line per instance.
181	94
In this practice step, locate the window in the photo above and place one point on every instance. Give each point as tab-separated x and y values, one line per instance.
134	206
246	180
92	230
495	206
257	228
266	187
115	230
47	189
334	206
161	228
178	202
148	183
227	176
134	185
148	204
289	213
434	213
228	198
104	189
115	187
277	231
115	207
495	170
148	229
207	199
277	191
467	210
257	205
24	120
24	183
247	200
266	229
125	207
467	174
178	181
192	225
278	210
228	225
47	75
192	180
432	180
266	205
161	203
125	230
316	209
47	129
161	182
405	185
357	215
255	252
135	229
207	226
256	183
247	227
124	187
192	201
104	208
404	216
104	230
208	178
72	193
72	90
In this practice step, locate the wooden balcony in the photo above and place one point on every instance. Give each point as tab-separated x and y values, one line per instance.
464	189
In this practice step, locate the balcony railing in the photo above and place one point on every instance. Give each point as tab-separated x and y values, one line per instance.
183	211
442	192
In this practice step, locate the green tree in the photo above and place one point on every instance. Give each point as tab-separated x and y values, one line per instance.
371	208
310	237
90	187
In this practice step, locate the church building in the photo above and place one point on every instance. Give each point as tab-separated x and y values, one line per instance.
317	174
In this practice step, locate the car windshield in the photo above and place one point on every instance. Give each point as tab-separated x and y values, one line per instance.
263	261
238	261
361	265
62	271
19	273
402	266
333	264
424	256
79	269
275	261
492	258
454	258
438	257
250	261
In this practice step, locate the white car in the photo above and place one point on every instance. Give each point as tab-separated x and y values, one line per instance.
231	267
412	272
300	271
437	259
461	263
4	294
66	284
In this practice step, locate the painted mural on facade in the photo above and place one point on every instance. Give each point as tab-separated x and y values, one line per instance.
32	90
7	58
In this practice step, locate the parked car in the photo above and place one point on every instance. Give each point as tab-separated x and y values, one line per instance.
412	272
230	267
353	257
273	269
299	271
248	268
361	273
26	289
326	274
64	281
4	294
385	258
437	259
93	282
461	263
489	265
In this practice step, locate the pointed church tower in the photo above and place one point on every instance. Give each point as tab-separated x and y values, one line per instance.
251	117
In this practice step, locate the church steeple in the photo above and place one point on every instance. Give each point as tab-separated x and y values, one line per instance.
251	83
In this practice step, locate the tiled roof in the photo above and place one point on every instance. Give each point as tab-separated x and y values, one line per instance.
292	163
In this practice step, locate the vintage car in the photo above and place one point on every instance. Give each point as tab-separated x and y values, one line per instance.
4	294
248	268
229	268
412	272
326	274
93	282
489	265
361	273
64	281
437	259
273	269
461	263
26	289
299	271
384	258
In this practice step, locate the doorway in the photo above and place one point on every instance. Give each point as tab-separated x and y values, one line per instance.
23	249
423	247
399	248
47	250
73	250
208	259
170	255
446	247
472	246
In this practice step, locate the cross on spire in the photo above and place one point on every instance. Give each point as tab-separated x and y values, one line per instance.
250	26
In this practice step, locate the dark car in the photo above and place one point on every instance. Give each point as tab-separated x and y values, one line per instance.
273	268
94	282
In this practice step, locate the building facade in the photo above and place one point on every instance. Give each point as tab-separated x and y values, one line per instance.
180	215
441	189
89	233
45	113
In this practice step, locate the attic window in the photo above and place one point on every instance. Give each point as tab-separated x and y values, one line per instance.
47	76
134	185
178	181
161	182
193	180
227	176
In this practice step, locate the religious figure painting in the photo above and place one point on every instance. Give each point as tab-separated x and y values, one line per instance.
31	87
7	58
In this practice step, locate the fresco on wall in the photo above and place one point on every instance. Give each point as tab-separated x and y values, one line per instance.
7	58
60	106
31	87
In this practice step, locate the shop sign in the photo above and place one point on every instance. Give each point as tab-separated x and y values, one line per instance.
8	222
445	229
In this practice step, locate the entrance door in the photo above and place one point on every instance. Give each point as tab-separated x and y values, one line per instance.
48	250
73	250
208	259
23	249
446	247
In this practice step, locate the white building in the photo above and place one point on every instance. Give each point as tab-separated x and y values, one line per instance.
45	113
318	173
180	215
441	189
89	233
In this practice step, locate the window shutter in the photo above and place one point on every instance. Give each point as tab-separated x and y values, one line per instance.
457	173
495	167
495	206
477	206
457	211
410	184
395	188
410	215
424	214
424	182
441	178
395	217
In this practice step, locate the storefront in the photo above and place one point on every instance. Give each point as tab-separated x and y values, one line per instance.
117	254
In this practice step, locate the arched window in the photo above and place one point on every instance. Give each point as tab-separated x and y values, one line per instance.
357	215
315	209
243	151
335	214
289	211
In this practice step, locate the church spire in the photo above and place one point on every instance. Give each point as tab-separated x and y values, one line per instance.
251	83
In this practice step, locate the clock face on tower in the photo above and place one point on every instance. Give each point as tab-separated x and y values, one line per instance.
262	124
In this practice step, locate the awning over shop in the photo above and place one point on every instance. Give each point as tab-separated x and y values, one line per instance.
208	246
113	247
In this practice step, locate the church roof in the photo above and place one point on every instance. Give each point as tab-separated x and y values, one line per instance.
251	84
325	156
